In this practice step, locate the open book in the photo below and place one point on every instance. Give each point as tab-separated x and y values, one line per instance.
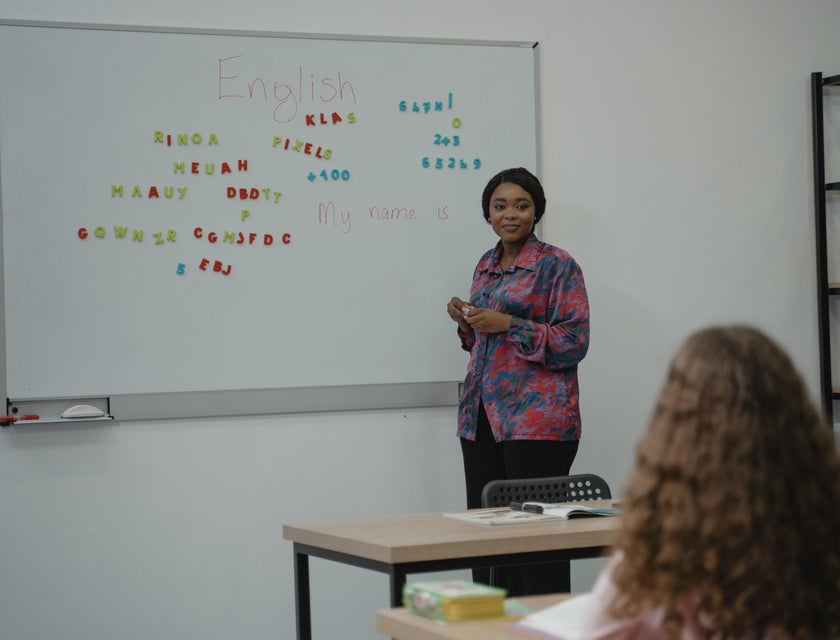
550	511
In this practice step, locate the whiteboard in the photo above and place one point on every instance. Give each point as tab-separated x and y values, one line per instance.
191	211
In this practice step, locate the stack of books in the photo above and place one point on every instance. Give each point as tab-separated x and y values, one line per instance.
454	600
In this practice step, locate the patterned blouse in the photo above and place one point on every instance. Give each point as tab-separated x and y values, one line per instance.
527	377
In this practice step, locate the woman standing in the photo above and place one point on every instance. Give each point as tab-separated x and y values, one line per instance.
526	326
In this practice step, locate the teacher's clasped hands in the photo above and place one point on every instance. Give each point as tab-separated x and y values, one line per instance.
468	316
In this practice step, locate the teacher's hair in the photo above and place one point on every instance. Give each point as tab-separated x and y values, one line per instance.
524	179
734	502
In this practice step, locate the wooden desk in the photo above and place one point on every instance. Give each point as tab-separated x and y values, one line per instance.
426	542
402	624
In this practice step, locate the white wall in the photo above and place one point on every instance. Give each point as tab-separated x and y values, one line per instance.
677	160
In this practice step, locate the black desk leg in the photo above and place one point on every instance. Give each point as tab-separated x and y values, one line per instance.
398	577
304	613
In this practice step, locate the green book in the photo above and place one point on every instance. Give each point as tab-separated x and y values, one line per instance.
454	600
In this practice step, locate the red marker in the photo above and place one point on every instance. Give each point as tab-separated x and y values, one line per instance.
22	416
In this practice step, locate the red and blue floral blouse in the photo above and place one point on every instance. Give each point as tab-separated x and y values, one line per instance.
527	376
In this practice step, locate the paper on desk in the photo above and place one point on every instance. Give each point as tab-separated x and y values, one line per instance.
550	511
502	515
563	621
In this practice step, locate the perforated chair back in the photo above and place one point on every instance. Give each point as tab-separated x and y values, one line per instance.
574	488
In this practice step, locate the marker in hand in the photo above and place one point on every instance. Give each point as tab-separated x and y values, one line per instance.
465	310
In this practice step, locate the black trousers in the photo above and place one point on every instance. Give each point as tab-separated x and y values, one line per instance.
486	460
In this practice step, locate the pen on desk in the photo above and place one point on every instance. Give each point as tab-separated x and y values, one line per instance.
530	508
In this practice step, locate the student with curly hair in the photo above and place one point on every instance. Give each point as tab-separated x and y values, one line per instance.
731	518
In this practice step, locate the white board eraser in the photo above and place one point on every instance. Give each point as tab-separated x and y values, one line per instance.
83	411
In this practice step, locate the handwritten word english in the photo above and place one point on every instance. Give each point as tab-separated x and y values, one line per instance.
287	95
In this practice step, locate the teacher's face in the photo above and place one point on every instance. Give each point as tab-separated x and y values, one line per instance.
512	213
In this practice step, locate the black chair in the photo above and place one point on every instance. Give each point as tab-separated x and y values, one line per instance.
574	488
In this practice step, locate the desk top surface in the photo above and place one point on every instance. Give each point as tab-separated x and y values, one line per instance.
402	624
431	536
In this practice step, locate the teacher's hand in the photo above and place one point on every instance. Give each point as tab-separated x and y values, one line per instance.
456	310
487	320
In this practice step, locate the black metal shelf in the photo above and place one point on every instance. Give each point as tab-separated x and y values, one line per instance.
825	288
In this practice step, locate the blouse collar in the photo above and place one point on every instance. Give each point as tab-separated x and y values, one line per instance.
527	258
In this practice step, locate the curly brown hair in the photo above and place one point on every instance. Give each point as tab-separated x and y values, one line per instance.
734	502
